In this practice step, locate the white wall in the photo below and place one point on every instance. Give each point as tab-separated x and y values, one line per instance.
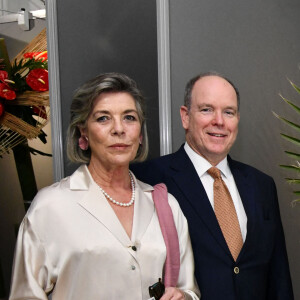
16	5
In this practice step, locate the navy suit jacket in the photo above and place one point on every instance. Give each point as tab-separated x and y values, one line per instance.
261	271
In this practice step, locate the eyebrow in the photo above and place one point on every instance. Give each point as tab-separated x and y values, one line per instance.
210	105
130	111
107	112
204	104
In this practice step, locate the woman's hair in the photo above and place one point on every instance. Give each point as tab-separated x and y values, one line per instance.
83	103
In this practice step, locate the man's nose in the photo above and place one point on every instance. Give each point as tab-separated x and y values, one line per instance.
218	118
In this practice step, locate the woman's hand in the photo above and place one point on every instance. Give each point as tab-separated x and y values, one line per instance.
173	293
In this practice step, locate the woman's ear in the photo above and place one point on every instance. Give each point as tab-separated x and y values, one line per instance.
141	140
82	130
83	141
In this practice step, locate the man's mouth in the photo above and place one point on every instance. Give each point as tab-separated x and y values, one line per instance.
217	134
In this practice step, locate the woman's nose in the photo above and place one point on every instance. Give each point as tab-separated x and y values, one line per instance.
118	127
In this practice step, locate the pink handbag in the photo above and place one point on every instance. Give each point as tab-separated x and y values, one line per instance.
169	232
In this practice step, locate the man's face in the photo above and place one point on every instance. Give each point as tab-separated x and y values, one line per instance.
212	123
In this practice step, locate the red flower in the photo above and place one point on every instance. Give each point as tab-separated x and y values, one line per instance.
37	79
6	92
4	78
3	75
37	55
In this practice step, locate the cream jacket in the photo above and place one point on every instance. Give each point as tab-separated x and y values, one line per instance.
72	245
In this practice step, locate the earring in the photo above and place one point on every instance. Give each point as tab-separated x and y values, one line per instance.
83	142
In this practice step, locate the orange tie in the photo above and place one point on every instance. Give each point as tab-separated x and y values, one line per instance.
226	214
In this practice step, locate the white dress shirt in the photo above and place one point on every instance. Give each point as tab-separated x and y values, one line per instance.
202	165
72	244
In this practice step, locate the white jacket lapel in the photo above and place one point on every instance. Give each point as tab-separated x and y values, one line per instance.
143	210
96	204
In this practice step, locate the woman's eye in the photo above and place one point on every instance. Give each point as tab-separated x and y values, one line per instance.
130	118
102	119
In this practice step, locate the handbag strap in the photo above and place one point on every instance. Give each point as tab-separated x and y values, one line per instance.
169	232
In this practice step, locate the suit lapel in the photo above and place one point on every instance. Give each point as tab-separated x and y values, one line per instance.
187	180
247	193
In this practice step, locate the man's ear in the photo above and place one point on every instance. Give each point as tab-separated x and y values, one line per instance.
185	118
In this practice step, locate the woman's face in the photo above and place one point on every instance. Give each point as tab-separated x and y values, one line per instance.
113	129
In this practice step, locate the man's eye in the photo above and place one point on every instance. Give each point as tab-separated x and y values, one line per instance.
130	118
229	112
206	109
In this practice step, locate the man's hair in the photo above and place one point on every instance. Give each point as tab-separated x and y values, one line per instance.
82	106
190	85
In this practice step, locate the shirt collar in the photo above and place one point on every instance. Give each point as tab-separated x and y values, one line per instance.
202	165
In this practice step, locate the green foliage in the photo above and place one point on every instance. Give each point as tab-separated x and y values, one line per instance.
296	141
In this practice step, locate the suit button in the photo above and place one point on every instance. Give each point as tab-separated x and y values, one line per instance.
236	270
133	267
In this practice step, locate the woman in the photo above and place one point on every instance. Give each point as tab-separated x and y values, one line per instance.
95	234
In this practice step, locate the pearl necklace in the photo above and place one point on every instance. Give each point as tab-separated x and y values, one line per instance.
121	203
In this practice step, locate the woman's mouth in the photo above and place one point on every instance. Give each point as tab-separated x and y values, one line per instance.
119	146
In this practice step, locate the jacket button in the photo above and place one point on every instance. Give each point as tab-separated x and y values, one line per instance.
236	270
132	267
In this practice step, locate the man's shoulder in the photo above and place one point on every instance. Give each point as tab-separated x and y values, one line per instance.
158	169
164	161
247	169
155	163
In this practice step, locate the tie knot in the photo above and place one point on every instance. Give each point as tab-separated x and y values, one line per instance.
214	172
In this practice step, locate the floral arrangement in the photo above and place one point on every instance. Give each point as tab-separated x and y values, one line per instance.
36	78
24	99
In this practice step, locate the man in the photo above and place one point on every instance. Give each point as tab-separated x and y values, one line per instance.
249	263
